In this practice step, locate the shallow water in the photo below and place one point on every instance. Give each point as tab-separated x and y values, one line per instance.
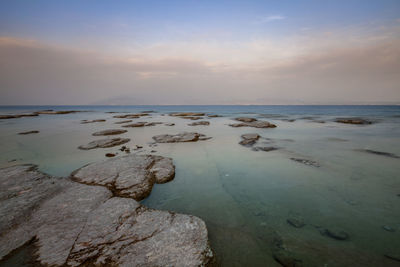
245	197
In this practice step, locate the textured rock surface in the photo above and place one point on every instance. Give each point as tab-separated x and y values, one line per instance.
181	137
104	143
109	132
128	176
197	123
358	121
252	122
122	233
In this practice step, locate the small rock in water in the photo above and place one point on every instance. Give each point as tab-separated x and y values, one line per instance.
306	162
109	132
296	222
29	132
358	121
153	151
123	148
337	234
380	153
198	123
110	155
388	228
393	256
169	124
265	148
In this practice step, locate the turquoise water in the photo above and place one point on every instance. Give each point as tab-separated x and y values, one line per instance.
245	197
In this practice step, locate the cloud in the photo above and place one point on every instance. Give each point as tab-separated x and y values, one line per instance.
325	67
269	19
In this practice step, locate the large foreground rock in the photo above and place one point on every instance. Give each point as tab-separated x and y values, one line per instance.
104	143
121	232
180	137
129	176
75	224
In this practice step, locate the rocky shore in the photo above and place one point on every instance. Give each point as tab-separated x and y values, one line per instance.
93	217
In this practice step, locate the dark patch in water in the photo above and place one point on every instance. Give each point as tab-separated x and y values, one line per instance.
379	153
25	256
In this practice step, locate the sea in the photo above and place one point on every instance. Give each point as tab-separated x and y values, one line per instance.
346	178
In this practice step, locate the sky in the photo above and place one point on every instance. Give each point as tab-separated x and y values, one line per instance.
199	52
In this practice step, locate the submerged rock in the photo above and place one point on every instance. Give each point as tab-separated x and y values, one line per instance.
131	116
141	124
169	124
180	137
358	121
197	123
380	153
395	257
297	222
265	148
104	143
121	122
388	228
57	112
249	139
122	232
213	116
128	176
306	162
335	233
252	122
17	116
92	121
29	132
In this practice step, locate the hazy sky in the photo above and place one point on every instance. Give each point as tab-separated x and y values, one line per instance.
199	52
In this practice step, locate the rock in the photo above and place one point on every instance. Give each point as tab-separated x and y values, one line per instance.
109	132
393	257
121	232
153	151
265	148
92	121
251	122
123	148
245	119
358	121
147	111
388	228
180	137
199	123
104	143
169	124
213	116
121	122
17	116
334	233
203	137
282	255
185	114
110	155
29	132
191	118
131	116
306	162
141	124
249	139
297	222
128	176
57	112
288	120
379	153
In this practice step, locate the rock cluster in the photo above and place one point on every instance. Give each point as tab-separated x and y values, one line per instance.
180	137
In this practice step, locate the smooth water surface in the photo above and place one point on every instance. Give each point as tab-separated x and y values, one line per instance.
245	197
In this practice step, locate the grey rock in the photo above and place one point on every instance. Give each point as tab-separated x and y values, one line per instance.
29	132
251	122
335	233
17	116
357	121
213	116
306	162
265	148
180	137
92	121
109	132
57	112
395	257
104	143
379	153
169	124
141	124
121	232
249	139
187	114
245	119
128	176
131	116
197	123
297	222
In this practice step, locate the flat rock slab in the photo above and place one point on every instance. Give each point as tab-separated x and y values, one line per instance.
109	132
128	176
180	137
104	143
92	121
249	139
186	114
121	232
357	121
17	116
29	132
197	123
57	112
252	122
121	122
131	116
141	124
